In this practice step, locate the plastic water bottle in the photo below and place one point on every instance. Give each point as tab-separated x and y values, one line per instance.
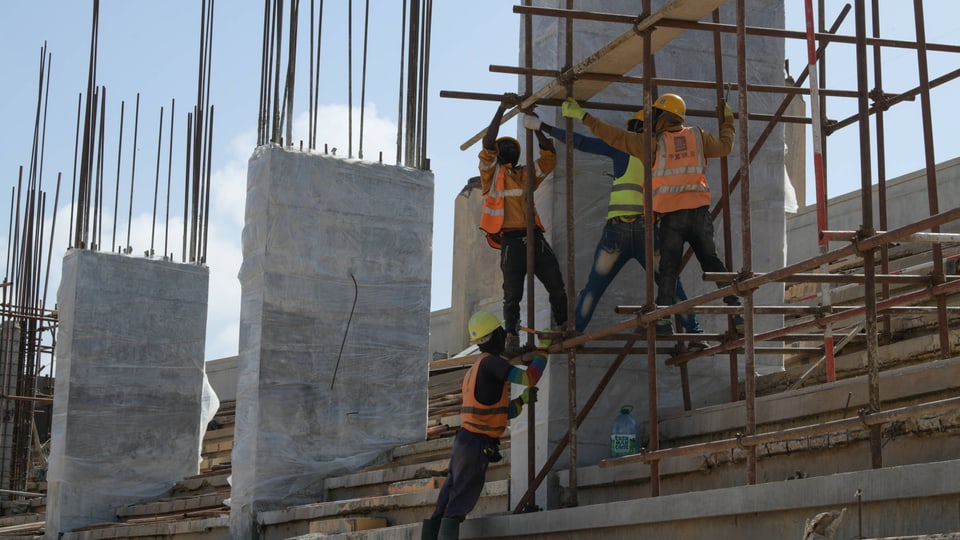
624	435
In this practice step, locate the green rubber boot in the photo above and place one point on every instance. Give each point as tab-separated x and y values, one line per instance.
449	529
430	529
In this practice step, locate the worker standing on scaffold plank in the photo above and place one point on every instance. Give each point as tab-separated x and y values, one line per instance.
504	219
681	195
623	235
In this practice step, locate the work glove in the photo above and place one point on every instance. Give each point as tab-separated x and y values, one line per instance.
726	109
572	109
532	122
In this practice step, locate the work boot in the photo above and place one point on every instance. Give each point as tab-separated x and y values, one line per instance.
696	345
430	529
664	327
738	323
511	345
449	529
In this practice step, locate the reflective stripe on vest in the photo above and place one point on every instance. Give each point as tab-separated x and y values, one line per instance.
490	420
679	173
494	203
626	195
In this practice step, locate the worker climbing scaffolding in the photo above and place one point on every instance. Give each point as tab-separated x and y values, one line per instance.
504	220
623	235
681	195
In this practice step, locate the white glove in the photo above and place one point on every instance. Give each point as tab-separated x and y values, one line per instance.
531	121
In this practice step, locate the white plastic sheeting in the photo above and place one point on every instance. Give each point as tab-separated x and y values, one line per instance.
129	378
335	309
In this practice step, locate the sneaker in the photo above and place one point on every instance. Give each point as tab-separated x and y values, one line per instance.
695	345
511	345
695	328
738	323
664	327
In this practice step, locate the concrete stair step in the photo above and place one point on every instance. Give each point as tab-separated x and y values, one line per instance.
406	531
197	525
404	508
175	506
919	440
379	481
203	483
329	527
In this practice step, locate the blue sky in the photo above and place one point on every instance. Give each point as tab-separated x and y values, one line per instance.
151	48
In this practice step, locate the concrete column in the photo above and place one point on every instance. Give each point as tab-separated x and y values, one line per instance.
334	324
477	281
9	355
129	379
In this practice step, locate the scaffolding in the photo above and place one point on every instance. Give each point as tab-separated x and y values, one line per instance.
871	243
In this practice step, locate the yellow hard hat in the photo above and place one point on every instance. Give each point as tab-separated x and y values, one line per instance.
481	325
671	103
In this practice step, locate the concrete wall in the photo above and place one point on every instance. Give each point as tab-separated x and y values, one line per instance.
222	374
896	501
334	321
907	201
129	383
477	282
9	353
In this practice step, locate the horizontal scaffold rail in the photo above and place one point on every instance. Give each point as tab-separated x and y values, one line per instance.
619	56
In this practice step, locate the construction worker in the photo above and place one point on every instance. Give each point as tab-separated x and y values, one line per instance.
681	195
504	219
484	416
623	234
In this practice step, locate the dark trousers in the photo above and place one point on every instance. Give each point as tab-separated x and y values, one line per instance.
513	264
468	473
695	227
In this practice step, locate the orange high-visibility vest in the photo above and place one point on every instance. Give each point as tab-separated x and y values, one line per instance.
494	203
679	172
490	420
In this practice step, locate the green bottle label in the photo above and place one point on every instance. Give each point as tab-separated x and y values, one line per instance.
623	445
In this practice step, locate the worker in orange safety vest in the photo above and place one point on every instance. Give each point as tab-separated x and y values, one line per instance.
484	416
681	195
504	219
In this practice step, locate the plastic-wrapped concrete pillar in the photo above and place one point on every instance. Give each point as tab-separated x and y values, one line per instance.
334	324
129	383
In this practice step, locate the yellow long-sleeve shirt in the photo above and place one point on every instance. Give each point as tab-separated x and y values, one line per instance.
633	143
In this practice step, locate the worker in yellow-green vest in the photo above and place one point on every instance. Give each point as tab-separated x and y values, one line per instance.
504	218
623	233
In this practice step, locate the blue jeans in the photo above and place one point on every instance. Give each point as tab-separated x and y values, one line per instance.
619	243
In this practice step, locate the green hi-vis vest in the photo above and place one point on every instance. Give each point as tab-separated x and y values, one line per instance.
626	195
